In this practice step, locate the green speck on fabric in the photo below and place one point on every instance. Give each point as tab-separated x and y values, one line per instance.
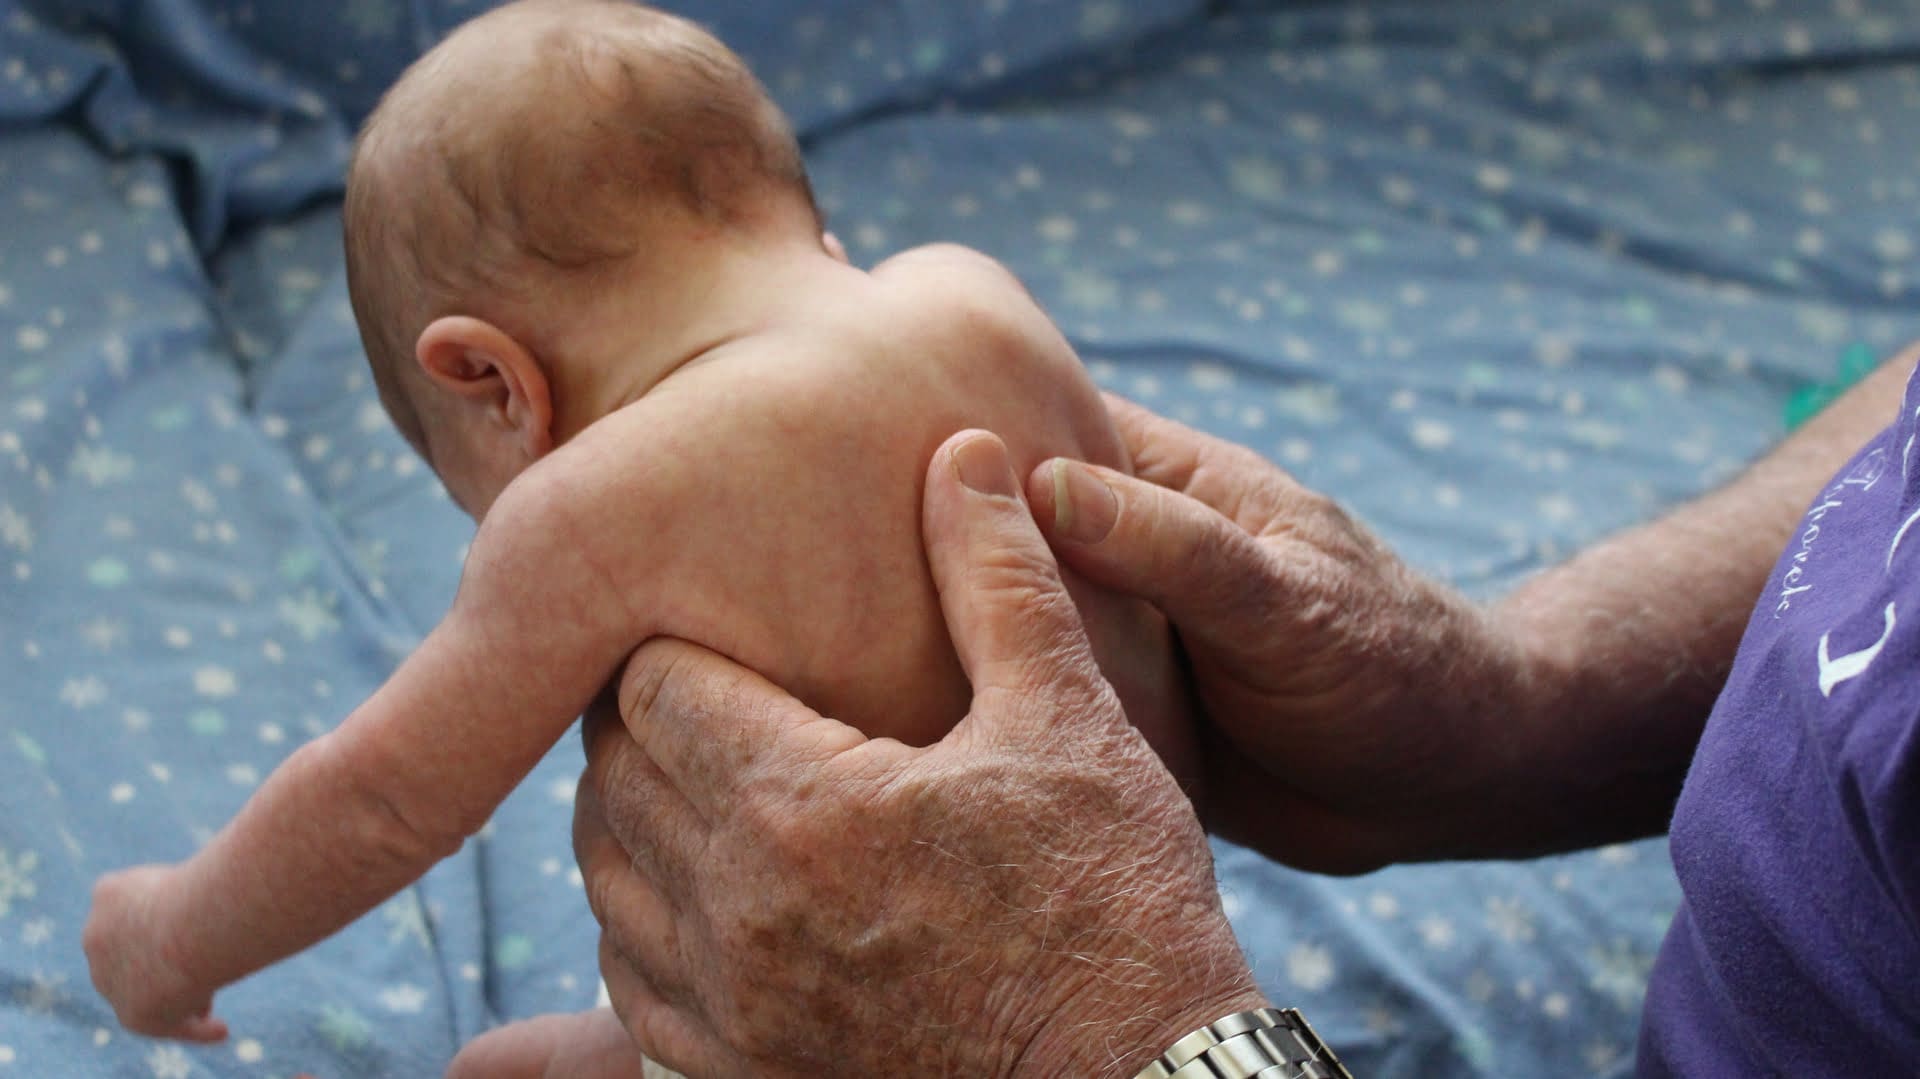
296	564
342	1027
1857	361
108	573
30	749
928	56
514	951
1640	311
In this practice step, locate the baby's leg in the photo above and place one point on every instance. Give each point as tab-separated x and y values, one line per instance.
584	1045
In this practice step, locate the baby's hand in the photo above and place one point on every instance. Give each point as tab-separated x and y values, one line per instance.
130	949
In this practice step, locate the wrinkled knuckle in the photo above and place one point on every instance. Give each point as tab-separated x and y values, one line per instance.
1217	543
1235	459
641	688
652	1026
1355	542
1057	624
619	792
1072	684
1248	603
1321	522
599	882
1014	575
1234	566
1054	672
656	687
1320	506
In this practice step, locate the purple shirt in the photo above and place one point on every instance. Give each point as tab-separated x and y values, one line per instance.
1796	949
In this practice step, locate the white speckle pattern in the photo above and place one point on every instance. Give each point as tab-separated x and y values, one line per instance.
1502	278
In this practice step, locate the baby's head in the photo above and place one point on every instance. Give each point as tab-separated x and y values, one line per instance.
545	159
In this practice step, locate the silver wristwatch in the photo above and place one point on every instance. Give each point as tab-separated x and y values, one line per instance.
1265	1044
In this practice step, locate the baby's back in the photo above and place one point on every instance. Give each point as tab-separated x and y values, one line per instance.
778	489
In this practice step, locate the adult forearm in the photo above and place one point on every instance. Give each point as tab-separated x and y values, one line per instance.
1629	643
1359	714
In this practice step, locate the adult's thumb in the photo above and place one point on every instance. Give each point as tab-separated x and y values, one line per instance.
1136	537
1013	624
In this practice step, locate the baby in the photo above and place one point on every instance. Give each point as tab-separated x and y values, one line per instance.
595	293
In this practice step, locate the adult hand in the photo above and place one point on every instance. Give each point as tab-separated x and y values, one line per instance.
1347	699
1030	896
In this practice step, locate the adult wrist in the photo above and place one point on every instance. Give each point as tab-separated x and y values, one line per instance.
1181	1033
1485	700
1594	747
1107	1035
1259	1043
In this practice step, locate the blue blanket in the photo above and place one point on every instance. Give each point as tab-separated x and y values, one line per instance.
1501	277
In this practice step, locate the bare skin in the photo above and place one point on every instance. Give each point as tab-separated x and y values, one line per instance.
761	498
721	441
939	933
596	298
1562	716
1355	714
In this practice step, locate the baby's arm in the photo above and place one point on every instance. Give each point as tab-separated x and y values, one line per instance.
353	817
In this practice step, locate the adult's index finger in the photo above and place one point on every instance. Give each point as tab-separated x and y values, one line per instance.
707	721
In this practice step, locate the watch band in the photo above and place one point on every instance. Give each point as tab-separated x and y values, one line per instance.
1267	1043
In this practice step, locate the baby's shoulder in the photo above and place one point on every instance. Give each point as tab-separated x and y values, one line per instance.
953	274
991	354
955	290
565	505
948	258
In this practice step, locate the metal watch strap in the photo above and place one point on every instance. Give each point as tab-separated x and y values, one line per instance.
1268	1043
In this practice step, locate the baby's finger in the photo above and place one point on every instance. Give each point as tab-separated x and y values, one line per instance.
204	1028
561	1045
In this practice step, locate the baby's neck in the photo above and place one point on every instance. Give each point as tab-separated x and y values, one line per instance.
662	325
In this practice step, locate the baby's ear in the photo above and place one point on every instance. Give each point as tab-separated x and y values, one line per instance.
481	364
